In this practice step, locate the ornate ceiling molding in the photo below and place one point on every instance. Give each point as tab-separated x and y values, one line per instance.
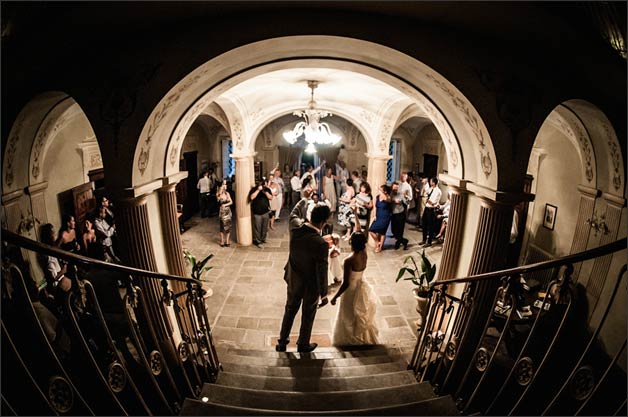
486	160
55	122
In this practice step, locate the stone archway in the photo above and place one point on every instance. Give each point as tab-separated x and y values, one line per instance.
468	144
171	118
50	150
589	151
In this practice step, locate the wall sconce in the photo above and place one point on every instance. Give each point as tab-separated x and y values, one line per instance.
27	223
598	223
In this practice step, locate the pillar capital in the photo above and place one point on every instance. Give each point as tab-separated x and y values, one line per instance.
242	156
495	197
37	188
459	185
382	157
129	202
175	178
12	196
614	200
589	191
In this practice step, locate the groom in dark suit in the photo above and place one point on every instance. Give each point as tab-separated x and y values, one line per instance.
305	273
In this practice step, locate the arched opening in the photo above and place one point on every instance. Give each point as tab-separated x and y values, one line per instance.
64	173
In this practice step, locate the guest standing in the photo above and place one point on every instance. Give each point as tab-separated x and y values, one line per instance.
104	233
204	187
429	216
260	197
329	189
295	184
383	213
224	214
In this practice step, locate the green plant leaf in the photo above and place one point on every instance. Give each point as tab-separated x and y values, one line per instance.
204	261
400	274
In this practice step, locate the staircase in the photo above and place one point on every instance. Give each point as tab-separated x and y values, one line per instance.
328	381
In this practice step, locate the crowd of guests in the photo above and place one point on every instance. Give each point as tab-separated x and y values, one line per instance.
350	199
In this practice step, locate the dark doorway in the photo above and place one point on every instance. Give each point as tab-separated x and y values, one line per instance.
430	165
306	160
190	204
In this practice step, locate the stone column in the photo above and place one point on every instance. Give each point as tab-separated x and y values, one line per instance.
376	177
136	249
170	228
455	227
581	234
489	254
38	203
602	264
244	182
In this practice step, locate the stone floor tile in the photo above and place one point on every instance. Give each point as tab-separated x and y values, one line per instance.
395	322
247	323
387	300
227	321
269	324
253	277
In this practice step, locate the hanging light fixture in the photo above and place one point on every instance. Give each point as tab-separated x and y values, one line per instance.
315	131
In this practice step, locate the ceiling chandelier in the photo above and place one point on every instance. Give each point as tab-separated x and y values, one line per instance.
315	131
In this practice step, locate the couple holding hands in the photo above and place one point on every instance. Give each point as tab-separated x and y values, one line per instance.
306	278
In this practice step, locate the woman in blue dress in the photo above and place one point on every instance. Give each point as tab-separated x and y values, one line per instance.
383	212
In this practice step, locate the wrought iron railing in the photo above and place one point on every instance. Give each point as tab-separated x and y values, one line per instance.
540	359
95	349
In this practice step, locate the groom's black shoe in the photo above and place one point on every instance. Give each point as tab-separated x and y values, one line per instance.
307	348
280	347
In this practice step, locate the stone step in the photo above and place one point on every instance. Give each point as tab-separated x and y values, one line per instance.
316	401
316	361
441	406
325	372
315	383
320	353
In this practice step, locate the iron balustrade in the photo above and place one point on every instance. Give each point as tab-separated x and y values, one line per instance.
104	359
539	360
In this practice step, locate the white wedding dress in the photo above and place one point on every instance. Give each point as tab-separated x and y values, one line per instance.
355	323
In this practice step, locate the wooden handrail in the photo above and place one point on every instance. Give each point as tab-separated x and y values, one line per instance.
33	245
577	257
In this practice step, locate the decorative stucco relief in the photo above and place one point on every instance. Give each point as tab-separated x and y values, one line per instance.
256	115
384	135
486	161
49	129
615	157
182	129
578	135
11	150
437	118
95	161
236	133
367	116
158	117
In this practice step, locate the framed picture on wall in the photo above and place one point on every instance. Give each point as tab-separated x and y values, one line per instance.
549	217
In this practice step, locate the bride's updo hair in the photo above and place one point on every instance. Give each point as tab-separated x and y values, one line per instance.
358	241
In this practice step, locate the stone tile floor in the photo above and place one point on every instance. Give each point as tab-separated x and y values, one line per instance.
248	291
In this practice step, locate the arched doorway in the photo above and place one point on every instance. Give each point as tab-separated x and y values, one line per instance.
63	173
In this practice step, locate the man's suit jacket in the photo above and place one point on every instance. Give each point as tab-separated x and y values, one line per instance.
308	261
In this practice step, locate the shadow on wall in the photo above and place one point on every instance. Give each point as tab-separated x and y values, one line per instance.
544	239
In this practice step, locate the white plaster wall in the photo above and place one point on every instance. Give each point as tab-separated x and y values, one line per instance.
154	215
197	140
557	182
63	165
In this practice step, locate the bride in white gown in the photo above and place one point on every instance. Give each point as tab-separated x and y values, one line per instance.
355	323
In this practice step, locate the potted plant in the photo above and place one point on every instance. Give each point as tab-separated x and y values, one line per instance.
423	278
198	269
